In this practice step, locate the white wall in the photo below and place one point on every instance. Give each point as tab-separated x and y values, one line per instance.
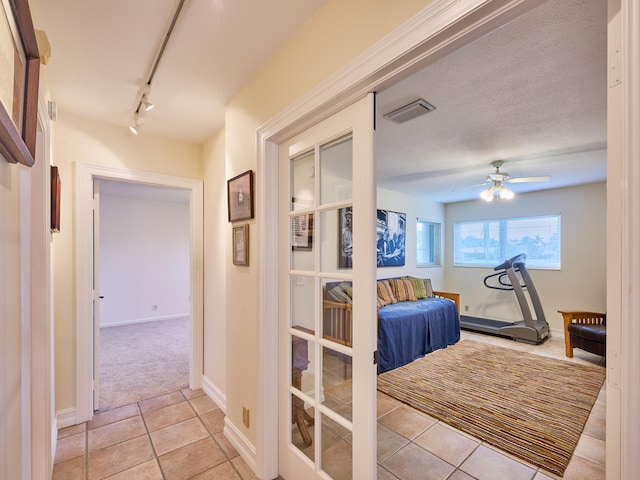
415	208
144	260
581	282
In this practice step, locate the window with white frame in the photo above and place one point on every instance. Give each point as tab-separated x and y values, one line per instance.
488	243
427	243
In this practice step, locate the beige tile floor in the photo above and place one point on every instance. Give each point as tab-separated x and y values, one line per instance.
173	436
179	436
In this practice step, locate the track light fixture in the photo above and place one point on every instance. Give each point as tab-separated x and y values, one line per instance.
144	105
135	128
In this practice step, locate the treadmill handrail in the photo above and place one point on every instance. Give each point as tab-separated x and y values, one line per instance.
500	275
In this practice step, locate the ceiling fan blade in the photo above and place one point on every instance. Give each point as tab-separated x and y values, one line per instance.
544	178
472	186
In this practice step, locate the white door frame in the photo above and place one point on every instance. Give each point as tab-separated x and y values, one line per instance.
85	175
440	28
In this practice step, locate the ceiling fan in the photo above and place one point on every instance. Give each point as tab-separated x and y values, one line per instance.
497	179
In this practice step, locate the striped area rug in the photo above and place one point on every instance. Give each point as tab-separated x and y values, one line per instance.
529	406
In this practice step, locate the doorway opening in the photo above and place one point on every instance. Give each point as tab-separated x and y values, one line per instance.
143	333
87	295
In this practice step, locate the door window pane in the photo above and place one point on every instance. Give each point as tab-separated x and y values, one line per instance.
302	302
336	171
303	181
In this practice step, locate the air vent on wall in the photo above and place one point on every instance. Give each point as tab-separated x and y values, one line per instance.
410	111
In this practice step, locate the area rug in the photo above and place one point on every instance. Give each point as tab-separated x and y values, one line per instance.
530	406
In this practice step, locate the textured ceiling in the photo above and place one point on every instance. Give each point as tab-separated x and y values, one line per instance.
532	93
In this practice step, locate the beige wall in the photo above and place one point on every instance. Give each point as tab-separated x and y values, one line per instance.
77	139
217	239
340	31
581	282
11	383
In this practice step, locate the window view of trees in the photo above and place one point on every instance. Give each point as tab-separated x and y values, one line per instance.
490	242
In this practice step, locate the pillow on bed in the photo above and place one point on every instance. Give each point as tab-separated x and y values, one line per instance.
419	289
428	288
341	293
380	303
402	289
385	293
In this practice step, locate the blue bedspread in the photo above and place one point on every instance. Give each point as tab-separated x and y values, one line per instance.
409	330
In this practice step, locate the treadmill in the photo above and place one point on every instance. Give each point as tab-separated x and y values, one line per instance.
512	275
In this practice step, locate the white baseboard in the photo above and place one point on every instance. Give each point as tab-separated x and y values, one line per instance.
246	450
66	418
145	320
215	394
553	333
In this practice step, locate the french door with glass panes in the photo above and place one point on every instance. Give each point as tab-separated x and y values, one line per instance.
327	331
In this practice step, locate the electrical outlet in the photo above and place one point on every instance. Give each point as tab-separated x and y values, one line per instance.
466	308
245	416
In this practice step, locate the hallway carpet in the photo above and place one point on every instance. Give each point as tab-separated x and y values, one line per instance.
143	360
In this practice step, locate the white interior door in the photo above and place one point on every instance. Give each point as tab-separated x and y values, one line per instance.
327	375
96	294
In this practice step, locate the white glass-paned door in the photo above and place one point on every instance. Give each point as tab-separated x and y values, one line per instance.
327	416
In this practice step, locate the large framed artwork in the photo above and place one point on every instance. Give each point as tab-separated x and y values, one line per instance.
240	196
19	76
391	228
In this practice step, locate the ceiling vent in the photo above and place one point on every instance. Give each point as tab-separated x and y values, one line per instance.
411	111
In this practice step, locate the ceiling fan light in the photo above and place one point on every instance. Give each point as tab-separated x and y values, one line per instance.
505	193
134	129
487	195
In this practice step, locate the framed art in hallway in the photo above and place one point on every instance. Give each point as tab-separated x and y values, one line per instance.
19	74
55	199
240	242
240	196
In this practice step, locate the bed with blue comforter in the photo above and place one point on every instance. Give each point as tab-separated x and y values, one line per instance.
407	330
410	330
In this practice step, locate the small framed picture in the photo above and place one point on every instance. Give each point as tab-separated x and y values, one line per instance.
240	196
302	232
55	199
240	242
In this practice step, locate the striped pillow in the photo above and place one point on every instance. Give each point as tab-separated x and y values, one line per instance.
402	290
418	287
385	293
341	293
380	303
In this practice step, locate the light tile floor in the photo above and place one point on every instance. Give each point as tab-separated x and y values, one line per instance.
173	436
412	445
179	436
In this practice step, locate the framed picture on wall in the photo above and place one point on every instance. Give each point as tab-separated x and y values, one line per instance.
55	199
240	242
20	67
240	196
390	243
